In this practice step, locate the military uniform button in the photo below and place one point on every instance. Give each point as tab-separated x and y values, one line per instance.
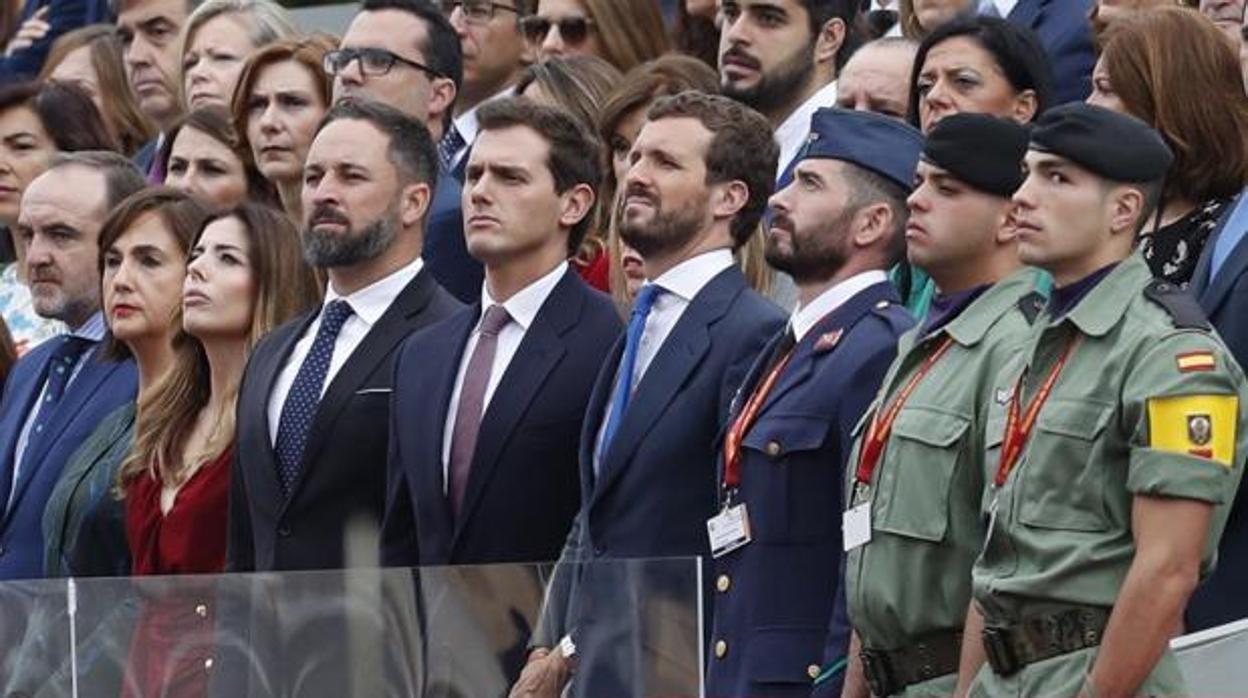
721	649
201	610
208	664
813	671
723	583
882	305
773	448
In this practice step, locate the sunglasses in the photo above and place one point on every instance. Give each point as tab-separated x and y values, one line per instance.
573	30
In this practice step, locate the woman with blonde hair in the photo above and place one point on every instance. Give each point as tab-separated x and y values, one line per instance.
245	276
624	33
282	93
217	38
91	58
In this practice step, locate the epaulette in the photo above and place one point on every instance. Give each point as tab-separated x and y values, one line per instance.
1183	309
1030	306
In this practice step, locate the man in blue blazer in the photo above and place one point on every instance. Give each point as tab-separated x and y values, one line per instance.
487	407
701	171
57	394
1066	34
1220	285
836	230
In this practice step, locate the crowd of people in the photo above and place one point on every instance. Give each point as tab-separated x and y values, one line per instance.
921	322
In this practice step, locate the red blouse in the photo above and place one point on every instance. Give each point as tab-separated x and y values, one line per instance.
190	539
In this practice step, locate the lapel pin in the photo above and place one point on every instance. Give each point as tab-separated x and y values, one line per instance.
828	340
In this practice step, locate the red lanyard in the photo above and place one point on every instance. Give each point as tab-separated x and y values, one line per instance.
882	423
732	441
1018	430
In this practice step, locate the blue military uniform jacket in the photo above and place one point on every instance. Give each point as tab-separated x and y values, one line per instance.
774	596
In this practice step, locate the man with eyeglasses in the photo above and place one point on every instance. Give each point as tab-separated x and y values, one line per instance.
405	54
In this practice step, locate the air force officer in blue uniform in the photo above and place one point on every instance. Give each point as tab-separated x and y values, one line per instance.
835	229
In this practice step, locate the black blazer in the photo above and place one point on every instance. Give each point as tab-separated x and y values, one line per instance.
524	487
343	476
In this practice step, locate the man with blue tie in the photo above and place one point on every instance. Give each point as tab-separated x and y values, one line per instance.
57	394
836	230
700	174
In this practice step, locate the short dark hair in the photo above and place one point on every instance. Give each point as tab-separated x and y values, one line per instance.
574	150
821	11
410	150
66	112
121	176
442	51
1016	50
868	187
742	149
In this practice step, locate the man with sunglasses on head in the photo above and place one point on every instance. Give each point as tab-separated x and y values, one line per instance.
406	54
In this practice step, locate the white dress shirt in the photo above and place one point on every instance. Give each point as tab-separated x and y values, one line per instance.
1003	7
368	305
792	132
681	284
469	125
94	330
523	308
805	317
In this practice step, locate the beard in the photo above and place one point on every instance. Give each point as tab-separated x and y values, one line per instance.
325	250
777	88
812	258
664	232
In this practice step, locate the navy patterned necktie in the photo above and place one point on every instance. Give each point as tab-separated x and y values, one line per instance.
299	410
448	147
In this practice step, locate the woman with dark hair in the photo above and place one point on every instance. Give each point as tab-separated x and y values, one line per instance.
982	65
36	121
1168	68
205	157
245	276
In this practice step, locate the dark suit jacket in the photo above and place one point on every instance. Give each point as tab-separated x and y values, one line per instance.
1224	298
524	486
775	600
1066	34
343	477
99	388
63	16
446	252
657	485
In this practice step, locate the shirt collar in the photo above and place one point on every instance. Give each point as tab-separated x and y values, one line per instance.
372	301
525	304
687	278
973	323
1004	7
791	134
93	329
468	124
1103	306
805	317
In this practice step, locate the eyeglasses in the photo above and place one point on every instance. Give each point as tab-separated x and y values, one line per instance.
574	30
373	62
475	11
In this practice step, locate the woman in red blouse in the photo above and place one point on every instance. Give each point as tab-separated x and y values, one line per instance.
245	276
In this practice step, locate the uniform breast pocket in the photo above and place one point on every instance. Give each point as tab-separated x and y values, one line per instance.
919	461
793	490
1063	486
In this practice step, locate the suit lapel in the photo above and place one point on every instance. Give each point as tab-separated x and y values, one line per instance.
268	365
390	329
1212	291
21	393
538	354
82	470
680	354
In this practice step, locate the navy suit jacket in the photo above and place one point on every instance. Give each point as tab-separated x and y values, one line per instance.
1224	298
99	388
446	251
63	16
524	486
1066	34
657	484
774	597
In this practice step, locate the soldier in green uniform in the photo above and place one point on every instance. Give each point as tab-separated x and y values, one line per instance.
1122	441
912	526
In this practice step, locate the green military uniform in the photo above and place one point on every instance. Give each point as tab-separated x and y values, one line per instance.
912	579
1147	403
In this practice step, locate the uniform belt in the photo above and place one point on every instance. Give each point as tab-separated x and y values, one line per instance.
933	655
1040	637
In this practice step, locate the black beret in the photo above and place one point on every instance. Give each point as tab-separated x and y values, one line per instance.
888	147
1115	146
984	151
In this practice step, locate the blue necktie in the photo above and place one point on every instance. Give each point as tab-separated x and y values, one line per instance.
624	381
299	410
448	147
60	369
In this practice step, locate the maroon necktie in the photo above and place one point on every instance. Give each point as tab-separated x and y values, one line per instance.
472	403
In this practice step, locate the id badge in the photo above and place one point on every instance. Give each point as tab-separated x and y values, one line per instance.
856	526
729	530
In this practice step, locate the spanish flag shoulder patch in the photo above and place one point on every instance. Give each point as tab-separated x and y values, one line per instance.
1194	361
